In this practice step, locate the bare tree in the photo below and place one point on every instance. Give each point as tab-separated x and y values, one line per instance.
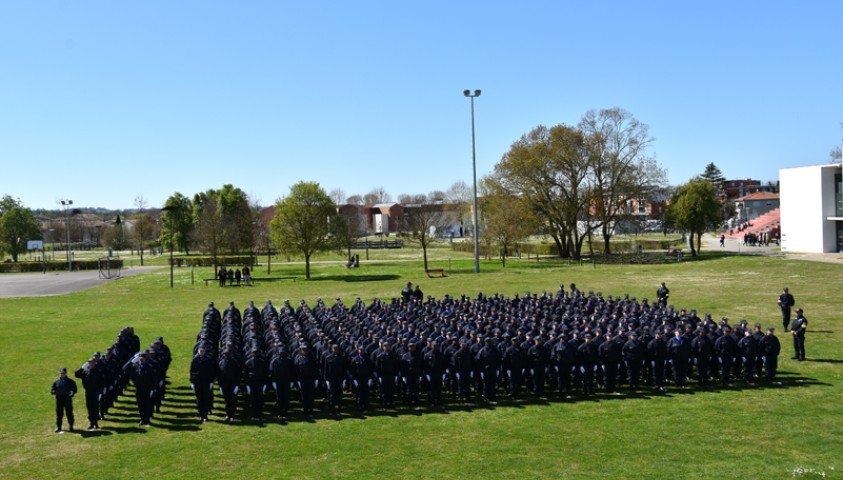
460	197
355	200
337	196
423	221
376	196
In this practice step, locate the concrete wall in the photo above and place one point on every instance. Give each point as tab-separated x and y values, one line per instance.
807	200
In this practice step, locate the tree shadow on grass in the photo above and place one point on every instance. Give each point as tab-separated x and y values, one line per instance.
356	278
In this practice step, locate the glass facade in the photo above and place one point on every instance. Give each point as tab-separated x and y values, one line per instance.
838	194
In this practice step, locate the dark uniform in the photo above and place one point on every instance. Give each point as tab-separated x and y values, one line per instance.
769	348
797	329
538	358
726	349
588	356
703	349
679	352
610	355
435	365
203	370
361	373
307	372
633	356
144	379
92	381
662	295
749	351
412	369
786	302
515	363
64	389
489	361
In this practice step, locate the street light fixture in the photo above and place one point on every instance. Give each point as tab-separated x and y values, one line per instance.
169	209
67	204
468	94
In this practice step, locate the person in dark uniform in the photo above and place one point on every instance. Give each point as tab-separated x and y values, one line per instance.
418	294
334	369
203	371
307	372
221	276
144	379
388	366
797	329
412	368
436	364
702	349
92	381
769	348
633	356
538	358
679	351
610	356
663	295
515	363
361	373
786	302
748	348
489	360
726	349
657	355
463	366
588	357
229	369
407	293
63	389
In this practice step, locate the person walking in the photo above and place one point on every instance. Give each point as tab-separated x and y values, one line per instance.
64	389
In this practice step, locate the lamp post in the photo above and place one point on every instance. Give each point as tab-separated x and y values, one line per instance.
169	209
468	94
53	238
67	204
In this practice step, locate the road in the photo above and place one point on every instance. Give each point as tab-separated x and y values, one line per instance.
56	283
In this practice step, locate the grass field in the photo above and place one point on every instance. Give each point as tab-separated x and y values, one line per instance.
792	430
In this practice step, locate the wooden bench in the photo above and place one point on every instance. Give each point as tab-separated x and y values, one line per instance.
431	272
271	279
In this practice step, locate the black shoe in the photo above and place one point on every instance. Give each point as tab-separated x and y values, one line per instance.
58	430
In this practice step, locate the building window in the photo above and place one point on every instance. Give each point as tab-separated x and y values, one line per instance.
838	194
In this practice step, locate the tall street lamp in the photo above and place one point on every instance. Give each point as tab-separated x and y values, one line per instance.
169	209
468	94
67	204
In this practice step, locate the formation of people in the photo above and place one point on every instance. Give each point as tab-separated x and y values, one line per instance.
458	348
106	375
234	275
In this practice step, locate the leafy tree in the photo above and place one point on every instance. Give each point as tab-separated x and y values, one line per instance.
302	221
695	208
423	218
179	221
17	225
507	218
238	219
619	168
549	167
713	175
209	232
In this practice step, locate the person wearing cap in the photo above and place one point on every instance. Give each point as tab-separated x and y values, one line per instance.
361	376
63	389
203	370
662	295
657	356
748	347
435	366
307	372
412	369
334	369
633	356
142	376
786	302
679	352
92	380
769	349
463	367
702	349
407	293
515	363
538	358
797	330
610	356
229	369
588	356
726	348
489	360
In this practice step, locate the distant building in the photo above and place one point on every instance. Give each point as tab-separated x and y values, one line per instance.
741	188
811	208
749	207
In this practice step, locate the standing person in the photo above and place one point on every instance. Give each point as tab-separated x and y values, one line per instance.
515	363
588	356
786	302
657	353
435	366
679	352
703	349
92	381
748	348
361	372
418	294
797	329
726	348
237	276
662	295
247	275
538	358
334	369
489	360
203	370
407	293
722	240
144	379
412	364
307	372
63	389
633	355
769	348
221	276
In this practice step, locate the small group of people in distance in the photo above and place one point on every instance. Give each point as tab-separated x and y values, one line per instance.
105	376
234	276
456	348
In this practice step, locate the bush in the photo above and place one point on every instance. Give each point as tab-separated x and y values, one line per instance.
56	266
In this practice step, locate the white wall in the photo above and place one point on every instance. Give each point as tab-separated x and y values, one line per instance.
807	199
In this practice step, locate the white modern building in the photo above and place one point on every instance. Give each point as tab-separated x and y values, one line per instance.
812	208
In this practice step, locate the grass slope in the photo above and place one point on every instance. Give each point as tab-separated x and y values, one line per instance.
738	433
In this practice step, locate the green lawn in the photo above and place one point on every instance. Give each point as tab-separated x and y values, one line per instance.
736	433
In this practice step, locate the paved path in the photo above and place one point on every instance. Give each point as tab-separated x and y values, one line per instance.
56	283
712	244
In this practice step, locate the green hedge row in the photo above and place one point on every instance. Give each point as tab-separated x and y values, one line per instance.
53	266
204	261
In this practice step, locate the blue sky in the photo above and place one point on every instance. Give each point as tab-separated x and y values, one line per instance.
102	102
